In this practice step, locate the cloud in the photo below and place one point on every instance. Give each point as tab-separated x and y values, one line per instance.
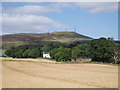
29	18
31	9
98	7
38	9
0	17
28	23
0	10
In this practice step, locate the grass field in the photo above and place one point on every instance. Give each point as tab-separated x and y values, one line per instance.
0	75
52	75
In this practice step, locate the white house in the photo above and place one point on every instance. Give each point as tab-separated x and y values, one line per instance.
46	55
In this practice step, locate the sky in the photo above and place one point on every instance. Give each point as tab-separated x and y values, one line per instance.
93	19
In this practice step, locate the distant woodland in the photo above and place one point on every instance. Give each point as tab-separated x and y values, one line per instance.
100	50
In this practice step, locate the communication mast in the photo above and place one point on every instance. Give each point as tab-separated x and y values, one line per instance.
75	30
66	28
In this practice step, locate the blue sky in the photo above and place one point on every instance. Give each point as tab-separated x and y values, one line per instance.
91	19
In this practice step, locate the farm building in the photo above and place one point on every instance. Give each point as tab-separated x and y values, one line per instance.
82	59
46	55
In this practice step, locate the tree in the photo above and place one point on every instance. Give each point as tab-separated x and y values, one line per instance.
46	48
80	51
51	45
116	54
72	45
110	38
19	54
24	51
75	53
53	52
101	50
61	54
34	53
10	52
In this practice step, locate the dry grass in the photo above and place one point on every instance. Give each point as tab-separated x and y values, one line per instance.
50	75
28	60
0	75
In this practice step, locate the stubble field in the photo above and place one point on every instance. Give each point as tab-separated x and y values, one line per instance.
51	75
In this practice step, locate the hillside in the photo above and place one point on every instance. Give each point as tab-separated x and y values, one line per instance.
40	38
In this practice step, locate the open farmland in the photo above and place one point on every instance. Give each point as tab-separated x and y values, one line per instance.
0	75
52	75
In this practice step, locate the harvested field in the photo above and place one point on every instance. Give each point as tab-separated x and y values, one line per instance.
52	75
29	60
0	75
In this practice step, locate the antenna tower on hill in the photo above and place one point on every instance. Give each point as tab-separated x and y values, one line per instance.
66	28
75	30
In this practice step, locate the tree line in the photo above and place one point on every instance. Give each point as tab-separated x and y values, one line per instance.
100	50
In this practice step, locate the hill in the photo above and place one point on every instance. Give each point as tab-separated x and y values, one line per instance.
40	38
